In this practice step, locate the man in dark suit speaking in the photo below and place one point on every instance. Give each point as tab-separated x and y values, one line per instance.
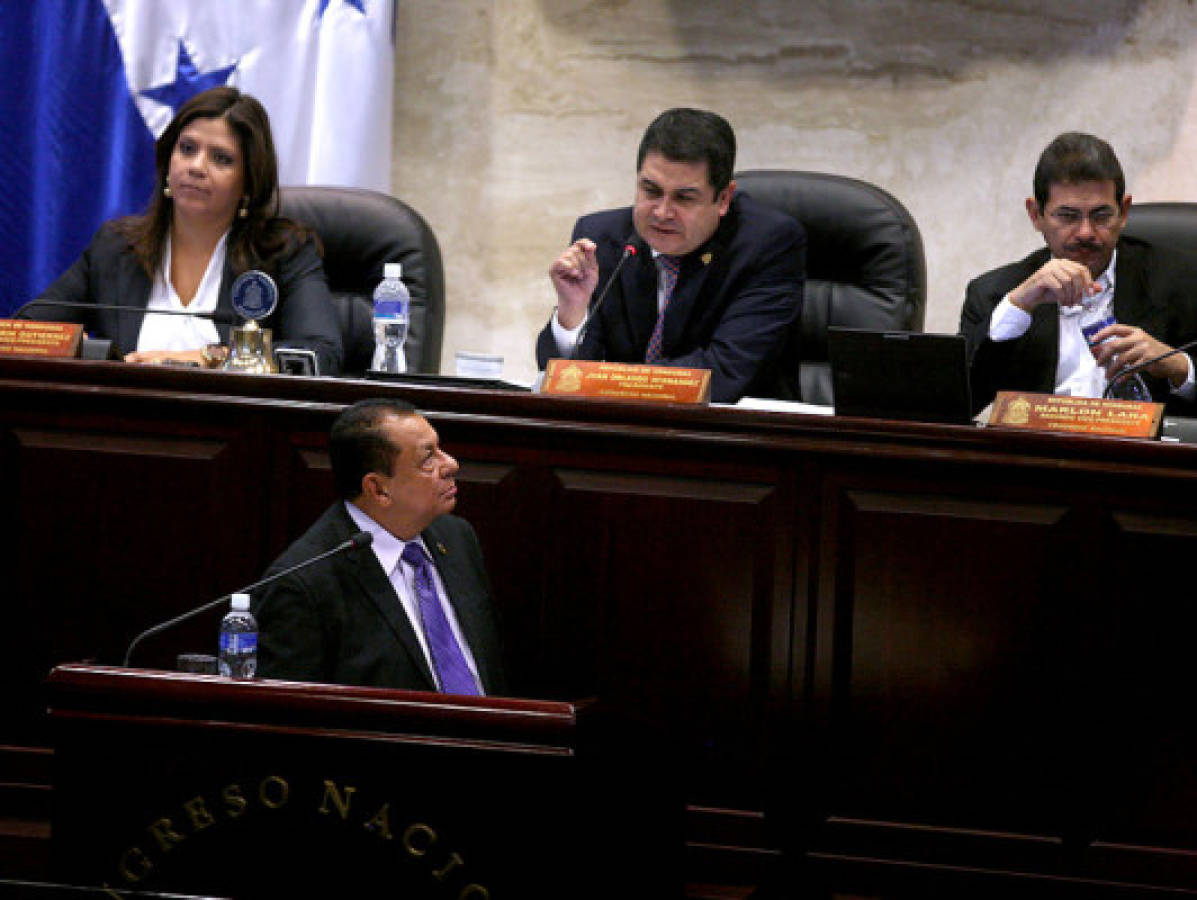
1023	322
716	280
413	611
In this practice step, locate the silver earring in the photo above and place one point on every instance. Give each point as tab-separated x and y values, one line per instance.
166	191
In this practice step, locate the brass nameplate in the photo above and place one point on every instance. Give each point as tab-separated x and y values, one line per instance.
19	337
625	381
1089	415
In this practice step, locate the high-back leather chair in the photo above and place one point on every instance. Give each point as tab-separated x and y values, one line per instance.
361	230
864	263
1170	225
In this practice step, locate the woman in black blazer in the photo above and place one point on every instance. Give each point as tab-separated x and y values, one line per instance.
213	215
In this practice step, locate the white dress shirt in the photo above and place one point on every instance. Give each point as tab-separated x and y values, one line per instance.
183	332
389	551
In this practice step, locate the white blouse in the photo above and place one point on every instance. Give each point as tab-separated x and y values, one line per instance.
183	332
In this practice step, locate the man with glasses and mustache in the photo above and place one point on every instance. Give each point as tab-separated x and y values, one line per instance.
1023	321
716	280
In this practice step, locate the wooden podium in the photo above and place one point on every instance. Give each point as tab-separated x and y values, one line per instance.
202	784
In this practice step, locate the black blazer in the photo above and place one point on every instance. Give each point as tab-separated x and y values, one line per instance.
736	298
108	272
341	622
1153	289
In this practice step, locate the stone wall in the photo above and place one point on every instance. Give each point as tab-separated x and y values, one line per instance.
512	117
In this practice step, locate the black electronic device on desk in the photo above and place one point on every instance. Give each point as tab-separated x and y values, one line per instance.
452	381
1179	429
899	375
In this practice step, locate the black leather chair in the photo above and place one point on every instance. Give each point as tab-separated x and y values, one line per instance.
361	230
1170	225
864	264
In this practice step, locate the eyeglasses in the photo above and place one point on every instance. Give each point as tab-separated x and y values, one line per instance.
1067	217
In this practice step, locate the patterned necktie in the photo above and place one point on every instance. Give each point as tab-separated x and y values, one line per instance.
670	266
452	670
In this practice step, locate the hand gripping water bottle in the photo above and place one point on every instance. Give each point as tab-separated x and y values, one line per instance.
239	640
1130	387
392	304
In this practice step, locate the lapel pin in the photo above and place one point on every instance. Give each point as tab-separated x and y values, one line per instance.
441	547
706	259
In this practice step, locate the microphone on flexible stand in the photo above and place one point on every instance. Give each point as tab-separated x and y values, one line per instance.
1132	370
359	540
629	249
101	348
218	316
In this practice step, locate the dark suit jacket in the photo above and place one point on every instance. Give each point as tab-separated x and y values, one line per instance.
341	622
1153	289
736	298
108	272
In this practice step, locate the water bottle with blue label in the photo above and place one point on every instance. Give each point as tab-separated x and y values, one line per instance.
1129	387
392	305
238	640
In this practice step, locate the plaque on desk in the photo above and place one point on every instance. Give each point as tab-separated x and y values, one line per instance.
625	381
25	337
1088	415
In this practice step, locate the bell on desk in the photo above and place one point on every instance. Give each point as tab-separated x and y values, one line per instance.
254	296
251	351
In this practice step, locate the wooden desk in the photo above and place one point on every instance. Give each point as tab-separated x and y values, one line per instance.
925	645
276	789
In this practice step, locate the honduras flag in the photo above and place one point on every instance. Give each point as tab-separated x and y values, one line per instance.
86	86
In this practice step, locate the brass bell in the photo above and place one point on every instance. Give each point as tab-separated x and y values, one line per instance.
251	351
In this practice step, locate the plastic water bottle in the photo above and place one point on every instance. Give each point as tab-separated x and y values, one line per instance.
239	640
392	304
1131	387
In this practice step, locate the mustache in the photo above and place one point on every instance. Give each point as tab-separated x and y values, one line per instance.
1084	245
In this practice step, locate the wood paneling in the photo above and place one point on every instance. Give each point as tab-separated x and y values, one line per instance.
914	648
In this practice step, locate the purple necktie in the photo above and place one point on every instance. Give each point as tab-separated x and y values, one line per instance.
449	663
670	266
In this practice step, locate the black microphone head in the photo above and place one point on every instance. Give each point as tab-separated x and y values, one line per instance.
360	540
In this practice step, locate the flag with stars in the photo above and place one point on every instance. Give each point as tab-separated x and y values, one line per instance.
87	85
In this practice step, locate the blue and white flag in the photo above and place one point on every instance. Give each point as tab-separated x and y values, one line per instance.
87	85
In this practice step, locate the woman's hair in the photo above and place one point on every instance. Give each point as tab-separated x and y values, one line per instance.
254	241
